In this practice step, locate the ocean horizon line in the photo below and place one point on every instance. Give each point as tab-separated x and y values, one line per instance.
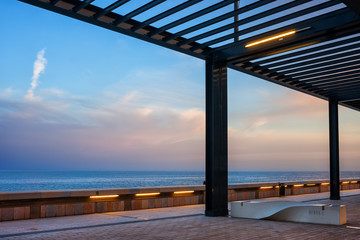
82	170
19	180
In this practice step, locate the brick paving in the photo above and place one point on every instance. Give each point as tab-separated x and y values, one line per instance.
183	223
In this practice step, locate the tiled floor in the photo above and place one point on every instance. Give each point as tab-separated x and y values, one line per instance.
185	223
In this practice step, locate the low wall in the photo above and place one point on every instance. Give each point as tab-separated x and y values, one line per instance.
42	204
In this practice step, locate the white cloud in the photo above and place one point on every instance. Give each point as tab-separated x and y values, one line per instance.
39	67
53	92
6	92
162	124
121	134
260	123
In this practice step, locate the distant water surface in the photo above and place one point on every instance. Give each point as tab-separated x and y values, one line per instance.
66	180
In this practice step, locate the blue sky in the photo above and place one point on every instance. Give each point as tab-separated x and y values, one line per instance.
102	100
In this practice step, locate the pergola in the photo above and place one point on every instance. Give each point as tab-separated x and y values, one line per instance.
312	46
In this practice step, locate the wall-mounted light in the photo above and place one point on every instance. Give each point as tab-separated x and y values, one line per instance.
104	196
146	194
184	192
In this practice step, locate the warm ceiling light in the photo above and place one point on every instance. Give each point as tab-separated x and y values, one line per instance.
105	196
266	187
347	182
146	194
270	38
324	184
298	185
354	182
311	184
183	192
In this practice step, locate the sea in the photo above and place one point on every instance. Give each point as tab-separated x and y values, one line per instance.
67	180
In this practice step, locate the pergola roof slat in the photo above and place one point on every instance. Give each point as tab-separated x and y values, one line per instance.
343	92
138	11
111	7
331	83
315	55
335	77
259	26
166	13
341	83
320	58
324	69
329	71
82	5
343	21
192	16
354	85
336	63
216	20
308	50
255	74
319	84
53	2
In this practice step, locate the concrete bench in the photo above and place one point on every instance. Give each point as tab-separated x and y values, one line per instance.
290	211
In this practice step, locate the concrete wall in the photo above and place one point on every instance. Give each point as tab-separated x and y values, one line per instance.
42	204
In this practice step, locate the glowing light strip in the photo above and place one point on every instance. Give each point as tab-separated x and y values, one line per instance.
183	192
310	184
147	194
266	187
298	185
347	182
105	196
354	182
325	184
270	38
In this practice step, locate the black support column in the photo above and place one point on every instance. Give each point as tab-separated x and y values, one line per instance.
216	138
334	150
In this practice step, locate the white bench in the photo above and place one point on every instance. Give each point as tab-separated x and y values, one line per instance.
290	211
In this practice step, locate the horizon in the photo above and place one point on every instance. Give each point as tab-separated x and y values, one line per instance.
76	96
154	171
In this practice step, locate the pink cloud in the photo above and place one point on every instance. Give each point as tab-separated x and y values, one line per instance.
119	134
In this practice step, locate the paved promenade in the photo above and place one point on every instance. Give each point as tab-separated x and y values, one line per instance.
185	223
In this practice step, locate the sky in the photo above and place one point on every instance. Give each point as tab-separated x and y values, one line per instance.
74	96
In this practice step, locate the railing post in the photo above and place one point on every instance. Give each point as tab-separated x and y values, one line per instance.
216	138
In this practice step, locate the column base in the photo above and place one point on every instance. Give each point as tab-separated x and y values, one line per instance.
217	212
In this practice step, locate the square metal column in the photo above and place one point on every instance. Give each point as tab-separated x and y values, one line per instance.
334	150
216	138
